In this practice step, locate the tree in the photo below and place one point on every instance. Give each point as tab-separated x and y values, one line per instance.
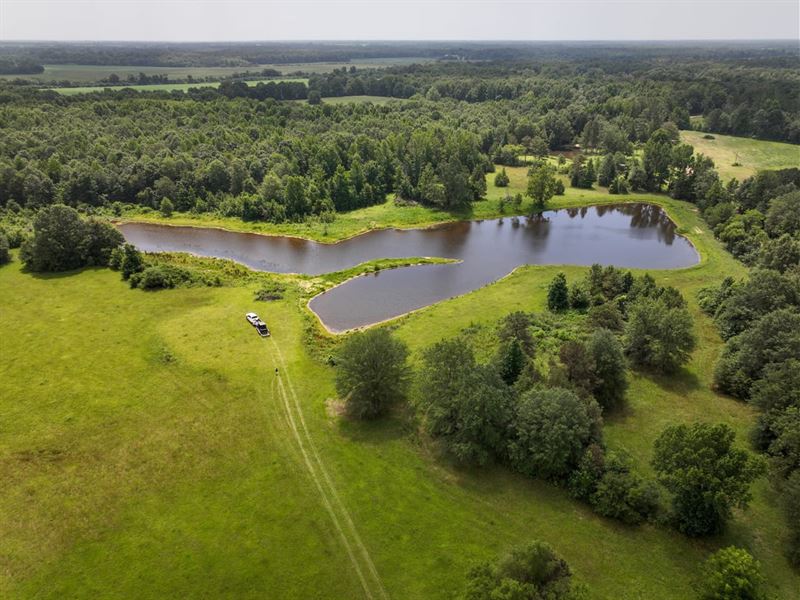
510	361
314	97
57	242
657	159
780	254
530	572
501	179
166	207
551	429
4	253
100	239
658	336
541	184
132	261
731	574
783	215
464	405
610	373
705	473
558	293
371	373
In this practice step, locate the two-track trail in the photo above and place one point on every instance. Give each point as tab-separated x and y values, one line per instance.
342	521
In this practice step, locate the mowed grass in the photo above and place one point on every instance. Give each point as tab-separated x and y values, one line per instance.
752	155
163	87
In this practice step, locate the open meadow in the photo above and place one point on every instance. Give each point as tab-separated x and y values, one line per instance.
165	87
741	157
150	449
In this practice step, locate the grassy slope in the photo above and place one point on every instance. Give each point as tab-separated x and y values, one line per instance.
752	155
145	454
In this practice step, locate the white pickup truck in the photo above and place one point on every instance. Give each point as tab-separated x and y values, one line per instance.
256	322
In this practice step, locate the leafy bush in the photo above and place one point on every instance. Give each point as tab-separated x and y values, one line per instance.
270	292
158	277
530	572
558	293
731	574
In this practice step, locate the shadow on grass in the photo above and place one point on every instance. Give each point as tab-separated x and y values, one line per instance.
60	274
682	381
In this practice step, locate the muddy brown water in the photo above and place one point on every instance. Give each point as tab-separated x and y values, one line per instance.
626	235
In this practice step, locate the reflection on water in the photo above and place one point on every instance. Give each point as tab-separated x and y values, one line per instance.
627	235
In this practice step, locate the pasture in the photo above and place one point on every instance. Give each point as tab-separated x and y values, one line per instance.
751	155
149	449
162	87
94	73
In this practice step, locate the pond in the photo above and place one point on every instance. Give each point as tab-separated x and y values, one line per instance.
625	235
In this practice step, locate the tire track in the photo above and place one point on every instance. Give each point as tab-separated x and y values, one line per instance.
331	488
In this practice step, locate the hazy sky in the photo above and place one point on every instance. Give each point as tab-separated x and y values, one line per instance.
211	20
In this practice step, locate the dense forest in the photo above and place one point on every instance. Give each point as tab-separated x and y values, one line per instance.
237	151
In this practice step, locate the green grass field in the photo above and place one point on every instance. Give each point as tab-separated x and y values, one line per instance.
149	450
752	155
93	73
163	87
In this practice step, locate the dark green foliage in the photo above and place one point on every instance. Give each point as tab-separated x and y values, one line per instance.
743	303
658	336
510	361
731	574
579	296
516	326
159	277
780	254
606	316
791	505
771	340
131	261
706	475
783	216
582	173
371	373
530	572
610	371
551	429
464	405
270	291
579	366
558	293
501	179
618	185
622	495
62	241
4	251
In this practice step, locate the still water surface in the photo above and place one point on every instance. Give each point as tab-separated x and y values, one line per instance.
628	235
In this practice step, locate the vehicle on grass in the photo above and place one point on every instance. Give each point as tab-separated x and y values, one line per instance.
255	321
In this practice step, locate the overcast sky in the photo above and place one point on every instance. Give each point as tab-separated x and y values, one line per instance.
213	20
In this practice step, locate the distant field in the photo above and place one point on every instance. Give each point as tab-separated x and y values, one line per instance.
93	73
358	100
752	155
165	87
